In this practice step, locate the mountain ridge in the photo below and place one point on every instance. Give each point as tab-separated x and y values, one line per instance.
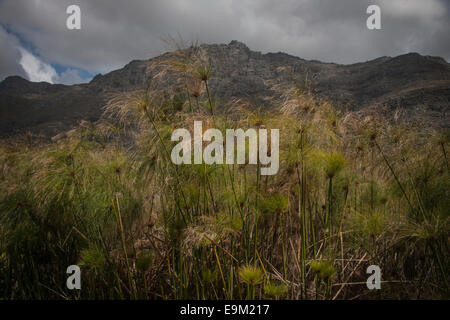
418	85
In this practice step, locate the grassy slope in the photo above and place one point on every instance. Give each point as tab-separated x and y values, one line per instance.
351	192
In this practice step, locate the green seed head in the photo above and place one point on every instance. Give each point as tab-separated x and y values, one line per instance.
209	275
251	275
324	269
275	290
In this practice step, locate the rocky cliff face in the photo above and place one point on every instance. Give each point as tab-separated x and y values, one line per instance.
419	86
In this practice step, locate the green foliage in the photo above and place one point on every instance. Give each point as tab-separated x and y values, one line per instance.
273	204
144	262
275	290
370	223
93	258
332	163
209	276
108	197
251	275
324	269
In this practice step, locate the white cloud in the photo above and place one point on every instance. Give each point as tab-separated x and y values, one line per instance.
36	69
16	60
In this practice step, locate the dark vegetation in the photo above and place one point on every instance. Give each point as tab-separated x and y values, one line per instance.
352	191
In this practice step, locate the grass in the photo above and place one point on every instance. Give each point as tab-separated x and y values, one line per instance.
352	191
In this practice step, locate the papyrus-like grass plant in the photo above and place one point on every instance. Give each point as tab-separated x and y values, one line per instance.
108	198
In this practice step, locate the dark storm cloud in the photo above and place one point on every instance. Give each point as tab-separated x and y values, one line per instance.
115	32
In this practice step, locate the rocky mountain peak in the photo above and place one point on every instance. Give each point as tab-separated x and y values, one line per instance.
239	45
418	85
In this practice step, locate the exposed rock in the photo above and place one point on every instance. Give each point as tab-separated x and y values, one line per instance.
417	85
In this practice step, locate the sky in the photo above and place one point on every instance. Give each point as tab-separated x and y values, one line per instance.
37	45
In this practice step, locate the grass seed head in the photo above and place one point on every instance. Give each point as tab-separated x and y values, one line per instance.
251	275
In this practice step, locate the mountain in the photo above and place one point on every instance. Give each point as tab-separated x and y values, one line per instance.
416	87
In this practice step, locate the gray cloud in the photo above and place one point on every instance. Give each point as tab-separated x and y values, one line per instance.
9	55
115	32
70	76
